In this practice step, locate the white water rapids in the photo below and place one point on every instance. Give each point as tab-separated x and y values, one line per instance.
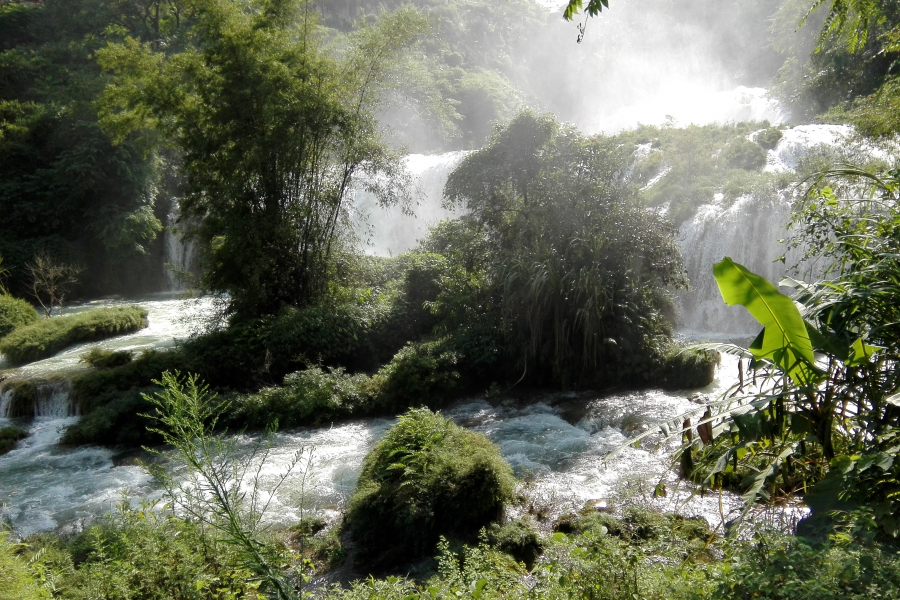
559	439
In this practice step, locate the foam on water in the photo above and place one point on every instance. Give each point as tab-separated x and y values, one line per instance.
43	486
558	440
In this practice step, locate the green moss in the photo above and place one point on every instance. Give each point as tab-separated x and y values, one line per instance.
428	477
48	336
9	436
15	313
99	358
684	369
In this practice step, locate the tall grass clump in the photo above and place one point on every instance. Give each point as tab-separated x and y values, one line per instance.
428	477
48	336
15	313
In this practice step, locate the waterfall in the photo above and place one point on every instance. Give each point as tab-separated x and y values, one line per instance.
50	398
181	255
6	397
54	399
748	231
388	231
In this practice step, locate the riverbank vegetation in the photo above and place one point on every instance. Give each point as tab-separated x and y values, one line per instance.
46	337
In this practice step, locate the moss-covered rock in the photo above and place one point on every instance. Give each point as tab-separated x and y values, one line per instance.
427	478
15	313
100	358
684	369
9	436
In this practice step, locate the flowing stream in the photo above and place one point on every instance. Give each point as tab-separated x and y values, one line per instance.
559	439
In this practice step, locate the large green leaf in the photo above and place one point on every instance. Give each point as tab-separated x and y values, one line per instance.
784	339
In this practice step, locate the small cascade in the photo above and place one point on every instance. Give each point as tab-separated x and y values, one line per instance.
797	143
748	232
180	254
53	399
388	231
49	398
6	398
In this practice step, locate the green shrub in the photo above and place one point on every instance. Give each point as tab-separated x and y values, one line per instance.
518	539
48	336
17	581
99	358
426	478
9	436
308	397
684	369
331	335
787	568
419	375
741	153
769	138
144	553
15	313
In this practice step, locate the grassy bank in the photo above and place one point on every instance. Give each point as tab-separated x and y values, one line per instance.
49	336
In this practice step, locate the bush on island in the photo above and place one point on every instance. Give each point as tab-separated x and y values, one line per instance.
419	375
48	336
308	397
684	368
428	477
9	436
99	358
15	313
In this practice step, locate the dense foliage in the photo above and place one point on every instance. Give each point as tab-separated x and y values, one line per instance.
267	169
558	253
427	477
14	313
66	190
46	337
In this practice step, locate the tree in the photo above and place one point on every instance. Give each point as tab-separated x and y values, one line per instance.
578	268
271	130
51	281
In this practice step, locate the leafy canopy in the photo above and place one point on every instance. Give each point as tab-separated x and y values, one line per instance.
574	266
271	129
